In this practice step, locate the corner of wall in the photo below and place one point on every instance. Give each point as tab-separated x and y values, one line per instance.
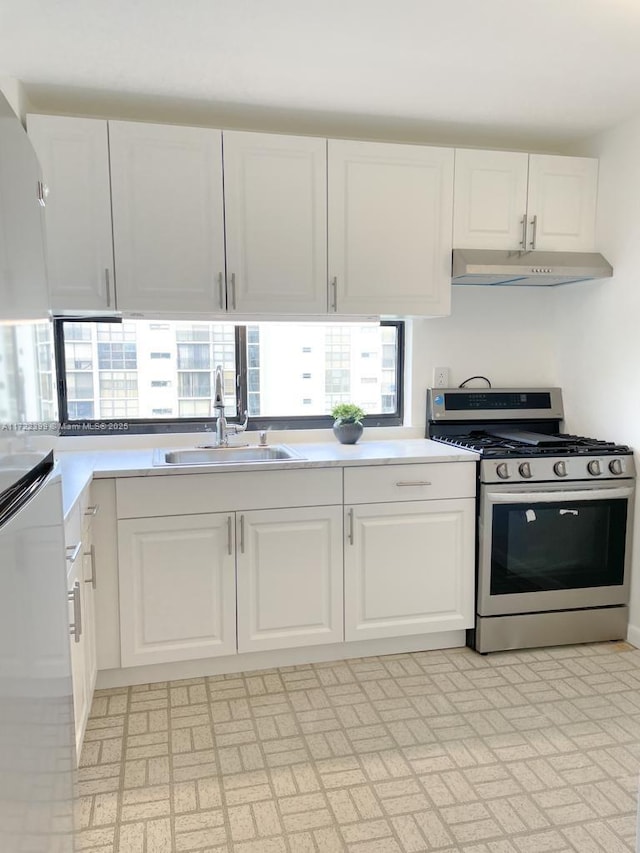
14	92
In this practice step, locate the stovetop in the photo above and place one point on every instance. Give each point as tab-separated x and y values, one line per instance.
555	444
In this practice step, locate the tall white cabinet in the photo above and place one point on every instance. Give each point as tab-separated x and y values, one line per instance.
389	215
74	156
168	220
521	202
275	203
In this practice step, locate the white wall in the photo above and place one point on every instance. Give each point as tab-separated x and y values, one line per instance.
503	333
597	326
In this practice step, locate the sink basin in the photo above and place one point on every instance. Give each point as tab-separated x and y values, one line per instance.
226	455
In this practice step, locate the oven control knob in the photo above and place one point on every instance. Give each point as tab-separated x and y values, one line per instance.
615	466
503	471
560	469
525	470
594	467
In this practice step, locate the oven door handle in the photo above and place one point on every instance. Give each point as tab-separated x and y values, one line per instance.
589	494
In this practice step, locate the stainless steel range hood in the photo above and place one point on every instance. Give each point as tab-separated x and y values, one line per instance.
537	269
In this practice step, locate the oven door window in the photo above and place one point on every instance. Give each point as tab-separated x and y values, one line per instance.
554	546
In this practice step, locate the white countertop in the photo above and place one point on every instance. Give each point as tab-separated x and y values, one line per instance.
78	468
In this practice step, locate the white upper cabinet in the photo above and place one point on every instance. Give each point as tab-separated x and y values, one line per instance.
561	205
510	200
168	224
74	155
23	281
490	199
389	214
276	223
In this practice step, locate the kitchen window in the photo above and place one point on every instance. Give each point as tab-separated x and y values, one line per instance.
109	371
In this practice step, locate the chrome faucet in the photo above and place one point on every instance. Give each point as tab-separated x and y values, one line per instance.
224	429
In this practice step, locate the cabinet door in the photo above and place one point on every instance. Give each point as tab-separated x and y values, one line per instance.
24	293
77	616
289	578
74	155
409	568
177	588
389	213
166	185
562	198
275	201
490	199
90	582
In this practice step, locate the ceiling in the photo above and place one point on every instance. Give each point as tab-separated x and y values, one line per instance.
493	70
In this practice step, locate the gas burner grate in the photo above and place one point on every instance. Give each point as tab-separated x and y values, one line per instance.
568	444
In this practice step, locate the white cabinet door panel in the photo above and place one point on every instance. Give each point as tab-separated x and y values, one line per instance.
177	588
168	225
289	578
276	223
74	156
490	199
390	210
562	197
409	568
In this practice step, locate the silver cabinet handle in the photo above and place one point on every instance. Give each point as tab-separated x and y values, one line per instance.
233	291
72	552
523	242
91	553
534	235
92	511
75	628
334	293
229	537
413	483
221	291
242	534
107	284
350	534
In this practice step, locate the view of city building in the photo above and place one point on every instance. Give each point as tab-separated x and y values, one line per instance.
152	370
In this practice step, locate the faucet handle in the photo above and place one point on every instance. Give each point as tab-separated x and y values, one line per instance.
236	428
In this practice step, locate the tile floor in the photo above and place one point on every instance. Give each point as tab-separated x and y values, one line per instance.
450	751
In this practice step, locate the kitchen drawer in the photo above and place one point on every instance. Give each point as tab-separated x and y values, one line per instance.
189	494
425	481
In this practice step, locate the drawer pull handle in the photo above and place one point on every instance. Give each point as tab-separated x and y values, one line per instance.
75	628
413	483
91	553
72	552
351	526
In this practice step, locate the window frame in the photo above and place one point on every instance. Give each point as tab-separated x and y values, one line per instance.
133	426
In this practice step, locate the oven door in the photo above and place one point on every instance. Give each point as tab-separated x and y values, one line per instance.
562	546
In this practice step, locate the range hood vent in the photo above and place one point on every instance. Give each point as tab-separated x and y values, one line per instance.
533	269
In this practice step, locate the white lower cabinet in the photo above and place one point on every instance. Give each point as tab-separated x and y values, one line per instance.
408	568
81	698
81	586
177	588
289	578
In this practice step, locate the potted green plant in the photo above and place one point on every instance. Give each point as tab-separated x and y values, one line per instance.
347	426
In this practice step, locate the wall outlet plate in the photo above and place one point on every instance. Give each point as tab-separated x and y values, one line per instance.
440	377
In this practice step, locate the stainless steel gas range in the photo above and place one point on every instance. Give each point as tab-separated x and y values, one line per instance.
554	518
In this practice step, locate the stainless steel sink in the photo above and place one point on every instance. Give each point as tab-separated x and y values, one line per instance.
226	455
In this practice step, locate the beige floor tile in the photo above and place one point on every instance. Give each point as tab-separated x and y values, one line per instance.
518	752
